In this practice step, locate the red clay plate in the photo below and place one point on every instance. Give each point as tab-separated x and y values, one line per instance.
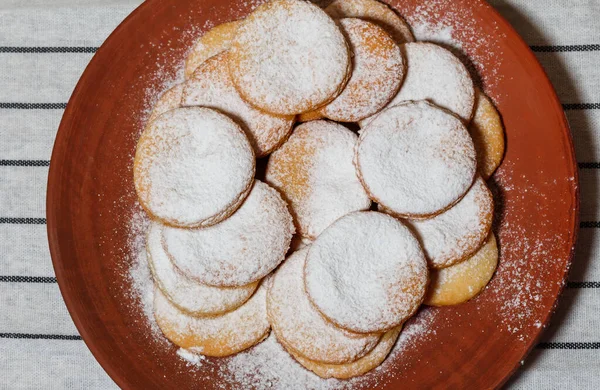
474	345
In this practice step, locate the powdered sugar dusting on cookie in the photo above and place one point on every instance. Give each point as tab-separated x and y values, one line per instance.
187	294
239	250
314	172
377	72
415	159
366	272
453	235
222	335
289	57
436	75
193	166
211	86
301	327
440	21
373	11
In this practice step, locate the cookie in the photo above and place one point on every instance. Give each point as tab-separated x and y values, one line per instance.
240	250
223	335
377	72
436	75
366	272
456	234
295	321
211	86
313	171
461	282
169	100
416	159
187	294
289	57
193	167
359	367
213	42
309	116
488	135
373	11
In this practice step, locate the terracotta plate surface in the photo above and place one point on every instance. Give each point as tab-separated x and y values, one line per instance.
475	345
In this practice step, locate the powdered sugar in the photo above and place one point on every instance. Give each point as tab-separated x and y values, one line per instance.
289	57
373	11
240	250
415	159
211	86
187	294
355	368
169	100
193	166
215	336
461	282
301	327
366	272
377	72
435	74
457	28
213	42
192	358
457	233
314	172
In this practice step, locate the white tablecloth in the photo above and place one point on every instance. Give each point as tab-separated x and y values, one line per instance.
45	46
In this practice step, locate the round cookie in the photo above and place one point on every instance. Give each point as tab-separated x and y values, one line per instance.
223	335
436	75
193	167
313	171
366	272
461	282
373	11
309	116
359	367
240	250
454	235
295	321
377	72
188	295
213	42
289	57
488	135
415	159
169	100
211	86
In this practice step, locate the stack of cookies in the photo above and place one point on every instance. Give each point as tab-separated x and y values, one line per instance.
347	233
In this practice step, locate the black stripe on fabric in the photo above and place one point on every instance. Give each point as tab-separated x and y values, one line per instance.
33	106
47	49
589	165
565	48
27	279
581	106
33	336
569	345
23	221
589	225
583	284
24	163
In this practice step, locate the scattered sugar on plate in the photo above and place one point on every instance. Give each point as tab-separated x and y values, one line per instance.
193	359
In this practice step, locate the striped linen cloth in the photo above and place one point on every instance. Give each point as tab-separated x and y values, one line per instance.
45	46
